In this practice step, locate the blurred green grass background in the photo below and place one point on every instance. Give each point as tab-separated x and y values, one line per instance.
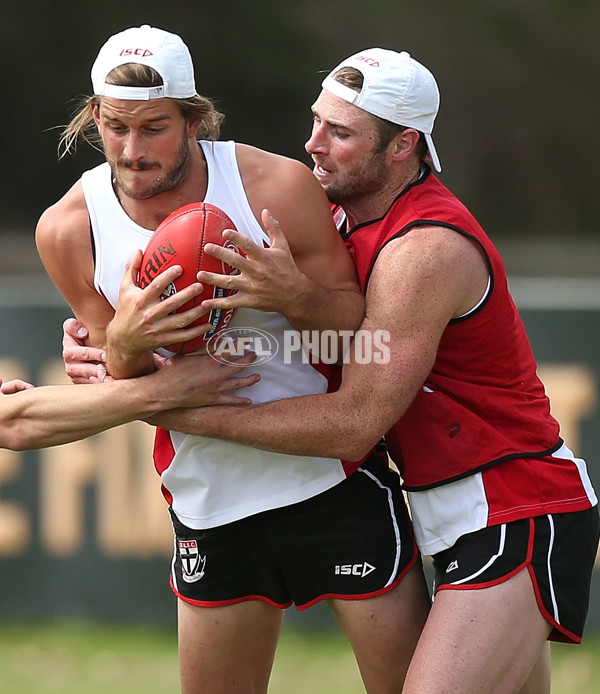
93	658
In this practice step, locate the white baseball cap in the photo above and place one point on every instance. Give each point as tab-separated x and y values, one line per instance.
159	49
396	88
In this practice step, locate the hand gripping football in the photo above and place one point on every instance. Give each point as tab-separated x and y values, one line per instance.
179	240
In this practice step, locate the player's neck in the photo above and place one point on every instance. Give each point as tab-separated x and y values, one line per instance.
375	205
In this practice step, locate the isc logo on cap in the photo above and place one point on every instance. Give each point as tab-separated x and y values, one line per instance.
142	52
369	61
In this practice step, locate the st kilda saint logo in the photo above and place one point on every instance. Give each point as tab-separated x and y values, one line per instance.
192	564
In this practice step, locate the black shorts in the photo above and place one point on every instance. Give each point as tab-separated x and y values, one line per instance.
558	550
352	541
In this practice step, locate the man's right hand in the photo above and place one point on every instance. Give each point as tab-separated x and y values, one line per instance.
145	320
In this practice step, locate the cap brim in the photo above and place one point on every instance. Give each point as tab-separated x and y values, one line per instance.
435	160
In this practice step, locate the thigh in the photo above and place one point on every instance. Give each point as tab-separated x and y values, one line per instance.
540	677
384	630
227	650
558	550
486	640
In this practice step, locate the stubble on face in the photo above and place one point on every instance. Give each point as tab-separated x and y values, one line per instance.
167	179
368	177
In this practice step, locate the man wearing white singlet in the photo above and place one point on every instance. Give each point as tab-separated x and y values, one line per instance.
255	531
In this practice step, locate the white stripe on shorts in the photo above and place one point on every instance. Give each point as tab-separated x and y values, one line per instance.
550	581
490	562
394	522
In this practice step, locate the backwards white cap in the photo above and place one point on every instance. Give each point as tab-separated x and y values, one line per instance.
396	88
159	49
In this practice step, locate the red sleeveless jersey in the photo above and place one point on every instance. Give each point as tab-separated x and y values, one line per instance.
482	403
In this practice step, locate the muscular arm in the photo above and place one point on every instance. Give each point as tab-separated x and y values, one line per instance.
415	289
64	245
63	239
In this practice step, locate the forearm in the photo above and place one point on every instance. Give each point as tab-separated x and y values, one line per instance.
53	415
311	425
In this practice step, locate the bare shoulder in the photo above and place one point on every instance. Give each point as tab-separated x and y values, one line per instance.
65	225
433	265
254	162
64	244
281	184
431	249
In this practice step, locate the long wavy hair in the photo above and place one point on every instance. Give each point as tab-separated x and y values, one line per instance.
82	126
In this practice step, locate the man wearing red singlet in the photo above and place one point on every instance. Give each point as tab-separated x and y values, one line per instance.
498	499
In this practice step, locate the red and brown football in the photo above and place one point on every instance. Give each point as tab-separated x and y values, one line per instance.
179	240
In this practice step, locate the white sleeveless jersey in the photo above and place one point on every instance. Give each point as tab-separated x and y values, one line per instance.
210	482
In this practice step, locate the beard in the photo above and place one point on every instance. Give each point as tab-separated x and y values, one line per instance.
367	178
169	178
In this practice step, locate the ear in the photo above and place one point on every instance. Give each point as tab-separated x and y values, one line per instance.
95	113
193	126
403	145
